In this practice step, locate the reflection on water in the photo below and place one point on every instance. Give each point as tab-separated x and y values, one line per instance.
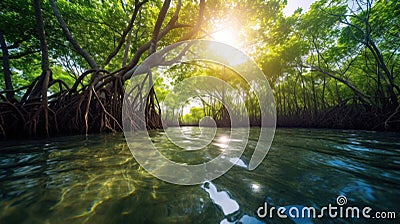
96	180
221	198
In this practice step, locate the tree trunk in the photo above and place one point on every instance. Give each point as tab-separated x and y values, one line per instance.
6	68
43	82
41	35
127	47
153	117
381	63
314	95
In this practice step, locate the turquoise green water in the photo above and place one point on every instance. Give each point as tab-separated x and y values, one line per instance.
96	180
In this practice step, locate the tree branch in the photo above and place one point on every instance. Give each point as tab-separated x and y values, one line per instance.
69	37
126	31
197	27
129	69
21	55
364	98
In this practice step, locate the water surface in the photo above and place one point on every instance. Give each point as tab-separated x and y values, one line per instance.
96	179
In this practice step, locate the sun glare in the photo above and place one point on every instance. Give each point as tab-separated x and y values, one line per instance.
227	32
226	36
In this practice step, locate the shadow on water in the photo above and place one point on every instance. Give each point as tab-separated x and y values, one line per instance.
96	180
